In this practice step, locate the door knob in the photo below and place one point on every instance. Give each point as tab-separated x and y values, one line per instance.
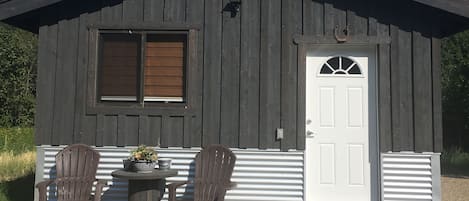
308	122
310	133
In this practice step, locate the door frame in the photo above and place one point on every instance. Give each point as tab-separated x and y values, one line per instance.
307	44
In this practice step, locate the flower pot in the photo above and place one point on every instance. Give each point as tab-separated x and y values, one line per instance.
143	166
164	163
128	165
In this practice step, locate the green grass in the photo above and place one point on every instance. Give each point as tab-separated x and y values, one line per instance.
14	166
16	140
17	164
455	162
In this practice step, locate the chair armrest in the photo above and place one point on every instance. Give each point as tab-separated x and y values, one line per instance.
178	184
172	189
99	189
42	188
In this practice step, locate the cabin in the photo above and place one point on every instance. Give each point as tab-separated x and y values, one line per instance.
319	99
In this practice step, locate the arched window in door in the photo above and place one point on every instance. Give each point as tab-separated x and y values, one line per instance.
340	65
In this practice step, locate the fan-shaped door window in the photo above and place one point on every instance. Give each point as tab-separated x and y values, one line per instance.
340	65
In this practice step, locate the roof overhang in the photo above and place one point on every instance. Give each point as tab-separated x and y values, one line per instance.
458	7
10	8
26	13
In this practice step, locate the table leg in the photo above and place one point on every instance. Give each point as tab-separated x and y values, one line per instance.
146	190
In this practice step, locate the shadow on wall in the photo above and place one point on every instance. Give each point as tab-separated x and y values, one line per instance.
20	189
189	189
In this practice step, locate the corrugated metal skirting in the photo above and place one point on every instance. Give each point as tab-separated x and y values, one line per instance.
410	176
261	175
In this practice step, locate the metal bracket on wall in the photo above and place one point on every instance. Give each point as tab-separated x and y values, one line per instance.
341	37
233	7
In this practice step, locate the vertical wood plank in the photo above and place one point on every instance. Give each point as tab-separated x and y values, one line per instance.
65	85
401	79
436	86
165	131
384	30
383	16
153	10
89	130
291	25
174	10
187	132
40	124
131	131
121	130
89	124
144	130
329	23
110	131
334	16
269	109
100	130
82	62
154	129
112	11
92	71
229	111
212	72
195	15
313	17
358	25
384	98
176	131
395	89
196	128
249	74
301	101
422	76
406	91
46	78
132	10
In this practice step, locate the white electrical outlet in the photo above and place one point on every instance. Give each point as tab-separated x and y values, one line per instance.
279	134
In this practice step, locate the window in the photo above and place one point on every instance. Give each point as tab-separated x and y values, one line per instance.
142	66
340	66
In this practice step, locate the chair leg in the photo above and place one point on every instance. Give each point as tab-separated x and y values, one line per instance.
172	193
42	194
42	188
99	189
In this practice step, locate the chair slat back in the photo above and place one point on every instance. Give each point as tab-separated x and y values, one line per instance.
214	167
76	167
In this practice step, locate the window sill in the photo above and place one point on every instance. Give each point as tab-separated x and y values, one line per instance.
157	109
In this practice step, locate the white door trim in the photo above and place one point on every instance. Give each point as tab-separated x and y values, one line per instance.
374	159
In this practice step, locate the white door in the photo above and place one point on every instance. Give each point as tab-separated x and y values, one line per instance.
337	126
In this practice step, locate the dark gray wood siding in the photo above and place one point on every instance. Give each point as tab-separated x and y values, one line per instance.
246	75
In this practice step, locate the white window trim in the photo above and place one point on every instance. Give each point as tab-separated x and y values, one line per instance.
163	99
118	98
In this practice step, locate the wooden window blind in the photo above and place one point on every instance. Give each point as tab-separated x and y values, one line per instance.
142	66
164	67
120	58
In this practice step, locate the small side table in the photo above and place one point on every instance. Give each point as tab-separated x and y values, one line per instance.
145	186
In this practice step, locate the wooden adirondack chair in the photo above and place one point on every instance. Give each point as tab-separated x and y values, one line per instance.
213	169
76	167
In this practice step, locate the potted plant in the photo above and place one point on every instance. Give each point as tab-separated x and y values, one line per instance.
143	159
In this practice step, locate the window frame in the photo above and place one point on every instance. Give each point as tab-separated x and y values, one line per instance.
95	105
